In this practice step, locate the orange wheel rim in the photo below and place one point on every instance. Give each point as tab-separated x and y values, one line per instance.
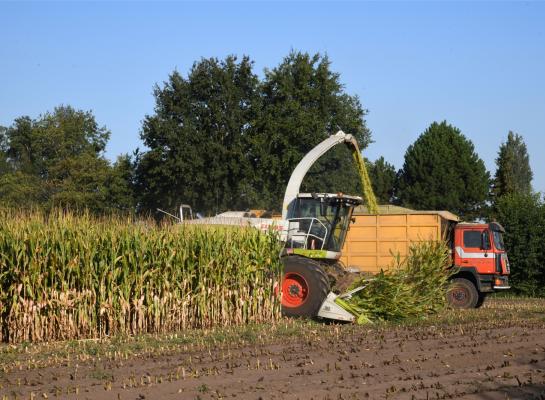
459	295
295	290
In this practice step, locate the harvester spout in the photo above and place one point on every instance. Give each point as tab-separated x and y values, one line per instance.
311	157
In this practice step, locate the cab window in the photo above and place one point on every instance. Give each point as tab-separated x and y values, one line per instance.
473	239
498	240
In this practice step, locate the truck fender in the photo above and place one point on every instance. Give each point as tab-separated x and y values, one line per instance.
469	273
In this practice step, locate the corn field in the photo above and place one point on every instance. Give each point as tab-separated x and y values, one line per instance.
66	276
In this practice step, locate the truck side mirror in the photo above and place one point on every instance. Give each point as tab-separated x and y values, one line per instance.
485	240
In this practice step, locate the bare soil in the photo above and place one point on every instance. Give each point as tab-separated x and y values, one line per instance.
497	352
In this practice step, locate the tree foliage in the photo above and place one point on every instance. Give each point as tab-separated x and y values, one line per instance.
523	217
221	139
56	160
513	173
442	171
4	166
121	184
304	103
383	179
200	138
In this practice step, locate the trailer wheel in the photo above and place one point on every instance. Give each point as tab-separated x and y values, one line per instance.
304	287
462	293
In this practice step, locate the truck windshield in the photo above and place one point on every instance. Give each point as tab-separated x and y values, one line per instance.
498	240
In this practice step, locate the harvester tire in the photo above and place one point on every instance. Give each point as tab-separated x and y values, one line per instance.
462	293
304	287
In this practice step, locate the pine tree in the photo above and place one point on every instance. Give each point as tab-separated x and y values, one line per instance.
442	172
523	217
513	173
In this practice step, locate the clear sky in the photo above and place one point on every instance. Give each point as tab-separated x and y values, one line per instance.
480	66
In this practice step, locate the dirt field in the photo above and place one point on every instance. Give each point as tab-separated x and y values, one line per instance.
497	352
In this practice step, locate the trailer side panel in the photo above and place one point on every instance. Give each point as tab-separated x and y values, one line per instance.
373	241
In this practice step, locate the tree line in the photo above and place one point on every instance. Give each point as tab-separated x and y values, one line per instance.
222	138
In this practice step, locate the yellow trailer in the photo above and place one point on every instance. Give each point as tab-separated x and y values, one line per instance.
374	239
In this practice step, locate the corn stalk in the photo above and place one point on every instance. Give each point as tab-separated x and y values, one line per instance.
68	276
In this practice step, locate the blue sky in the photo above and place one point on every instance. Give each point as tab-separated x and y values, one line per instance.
480	66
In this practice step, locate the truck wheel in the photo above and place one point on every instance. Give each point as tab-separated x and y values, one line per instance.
482	298
304	287
462	293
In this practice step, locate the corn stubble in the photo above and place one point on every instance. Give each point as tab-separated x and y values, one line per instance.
413	288
66	276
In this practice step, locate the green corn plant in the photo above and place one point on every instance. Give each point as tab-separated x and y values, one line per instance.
69	276
413	288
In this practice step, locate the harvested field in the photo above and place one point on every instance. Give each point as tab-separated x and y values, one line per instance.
496	352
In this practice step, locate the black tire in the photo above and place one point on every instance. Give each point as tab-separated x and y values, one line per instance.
462	293
303	272
482	298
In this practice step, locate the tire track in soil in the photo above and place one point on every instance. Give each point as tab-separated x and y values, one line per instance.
469	362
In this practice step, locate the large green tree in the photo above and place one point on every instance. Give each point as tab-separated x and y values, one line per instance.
442	171
220	139
57	160
21	190
383	179
200	139
523	217
513	173
121	184
304	103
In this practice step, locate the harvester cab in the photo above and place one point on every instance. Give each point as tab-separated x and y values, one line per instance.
319	223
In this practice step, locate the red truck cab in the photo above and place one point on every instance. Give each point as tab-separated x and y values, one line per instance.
481	263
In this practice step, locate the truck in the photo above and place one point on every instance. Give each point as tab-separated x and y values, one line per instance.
479	259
